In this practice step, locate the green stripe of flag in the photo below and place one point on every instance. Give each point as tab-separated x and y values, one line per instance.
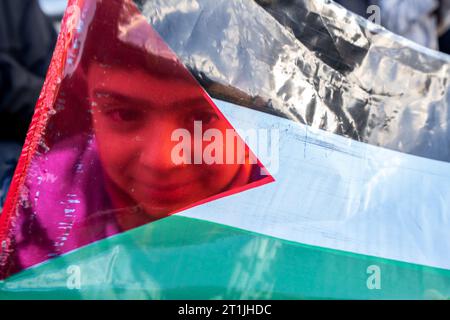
185	258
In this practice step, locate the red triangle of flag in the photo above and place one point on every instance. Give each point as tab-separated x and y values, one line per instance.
123	135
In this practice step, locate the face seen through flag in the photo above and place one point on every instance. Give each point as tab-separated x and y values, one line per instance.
123	137
134	132
108	165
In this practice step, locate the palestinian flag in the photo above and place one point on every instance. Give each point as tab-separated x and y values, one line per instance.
143	179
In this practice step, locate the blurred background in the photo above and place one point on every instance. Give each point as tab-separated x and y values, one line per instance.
54	9
28	33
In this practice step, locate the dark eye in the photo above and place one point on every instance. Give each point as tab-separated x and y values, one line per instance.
125	114
206	117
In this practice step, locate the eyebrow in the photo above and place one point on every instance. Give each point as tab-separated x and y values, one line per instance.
106	94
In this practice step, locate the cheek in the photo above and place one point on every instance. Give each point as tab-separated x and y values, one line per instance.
116	153
112	156
217	177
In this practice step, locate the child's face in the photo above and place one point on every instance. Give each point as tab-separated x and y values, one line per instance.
134	116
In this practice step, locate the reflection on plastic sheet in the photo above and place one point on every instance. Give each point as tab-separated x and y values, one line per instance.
98	196
316	63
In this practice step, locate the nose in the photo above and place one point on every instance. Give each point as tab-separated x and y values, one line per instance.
156	146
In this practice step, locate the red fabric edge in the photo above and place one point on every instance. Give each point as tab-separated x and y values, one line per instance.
37	127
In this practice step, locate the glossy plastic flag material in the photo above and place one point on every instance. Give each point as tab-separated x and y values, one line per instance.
128	187
135	149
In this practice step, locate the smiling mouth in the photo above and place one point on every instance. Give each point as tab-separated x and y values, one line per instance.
164	192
